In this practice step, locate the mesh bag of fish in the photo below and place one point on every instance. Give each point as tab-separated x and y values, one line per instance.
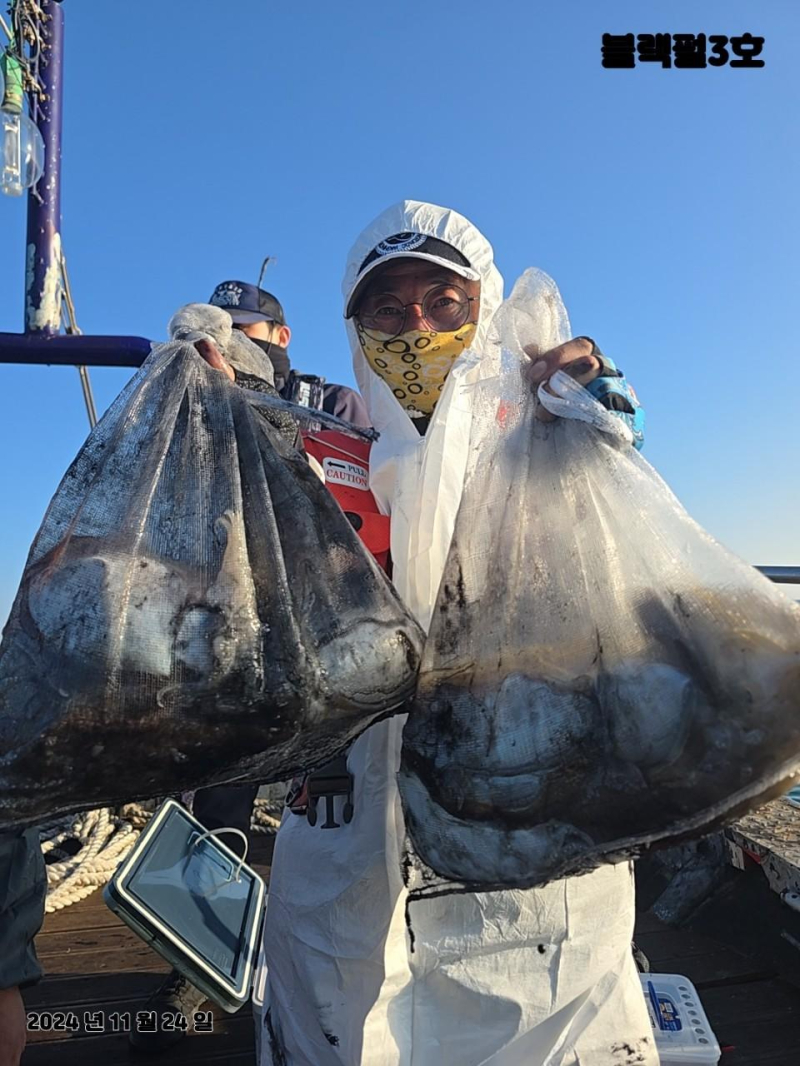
195	606
600	674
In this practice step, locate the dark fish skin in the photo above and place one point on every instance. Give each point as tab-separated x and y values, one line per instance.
600	676
195	609
592	772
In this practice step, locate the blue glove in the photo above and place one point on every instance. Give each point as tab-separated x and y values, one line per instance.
613	392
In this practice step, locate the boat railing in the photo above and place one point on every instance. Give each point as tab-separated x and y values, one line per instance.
781	575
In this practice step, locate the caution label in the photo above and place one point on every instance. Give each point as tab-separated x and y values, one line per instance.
342	472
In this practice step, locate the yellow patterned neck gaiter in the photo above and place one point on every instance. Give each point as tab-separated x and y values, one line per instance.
415	365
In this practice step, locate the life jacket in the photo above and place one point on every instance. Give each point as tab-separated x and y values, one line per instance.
345	465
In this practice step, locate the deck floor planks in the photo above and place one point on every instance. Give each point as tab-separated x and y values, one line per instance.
754	1013
93	962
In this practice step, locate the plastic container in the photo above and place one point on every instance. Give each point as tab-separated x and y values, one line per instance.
682	1031
195	901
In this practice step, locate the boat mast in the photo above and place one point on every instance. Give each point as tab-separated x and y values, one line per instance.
43	284
48	300
45	265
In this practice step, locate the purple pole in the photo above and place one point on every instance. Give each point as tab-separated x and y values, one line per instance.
47	349
42	343
43	242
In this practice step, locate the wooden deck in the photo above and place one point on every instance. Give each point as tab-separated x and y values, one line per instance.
753	1010
93	963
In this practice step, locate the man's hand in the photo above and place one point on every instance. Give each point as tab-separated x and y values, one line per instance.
12	1026
214	358
574	358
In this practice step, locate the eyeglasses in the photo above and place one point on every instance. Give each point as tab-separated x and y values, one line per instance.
444	308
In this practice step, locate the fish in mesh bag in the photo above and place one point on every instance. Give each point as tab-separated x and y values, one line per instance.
600	674
195	606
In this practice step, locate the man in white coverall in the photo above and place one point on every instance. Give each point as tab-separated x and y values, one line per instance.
354	977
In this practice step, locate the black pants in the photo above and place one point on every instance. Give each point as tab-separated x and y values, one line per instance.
226	805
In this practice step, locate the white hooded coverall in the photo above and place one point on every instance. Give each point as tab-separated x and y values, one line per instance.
542	977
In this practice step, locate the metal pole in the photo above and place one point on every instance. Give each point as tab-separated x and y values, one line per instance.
783	575
37	349
43	242
88	396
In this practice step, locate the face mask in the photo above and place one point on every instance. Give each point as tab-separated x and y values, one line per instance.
279	357
415	365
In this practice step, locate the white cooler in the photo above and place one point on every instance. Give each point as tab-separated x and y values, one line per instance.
683	1034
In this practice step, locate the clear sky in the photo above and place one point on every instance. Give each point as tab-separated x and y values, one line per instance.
200	137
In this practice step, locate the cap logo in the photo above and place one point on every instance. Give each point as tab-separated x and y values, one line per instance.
227	295
401	242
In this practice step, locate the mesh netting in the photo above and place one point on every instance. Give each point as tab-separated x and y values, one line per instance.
195	607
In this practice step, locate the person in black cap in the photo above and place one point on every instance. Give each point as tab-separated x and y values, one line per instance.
259	315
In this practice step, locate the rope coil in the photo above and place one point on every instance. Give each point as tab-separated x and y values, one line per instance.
82	851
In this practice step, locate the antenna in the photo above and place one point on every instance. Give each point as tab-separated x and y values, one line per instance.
269	259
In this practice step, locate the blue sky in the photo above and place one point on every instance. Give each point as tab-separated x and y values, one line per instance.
201	137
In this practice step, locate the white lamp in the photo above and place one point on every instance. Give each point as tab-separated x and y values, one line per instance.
21	144
22	153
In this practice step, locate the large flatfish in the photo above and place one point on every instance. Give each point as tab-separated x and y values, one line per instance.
195	607
600	674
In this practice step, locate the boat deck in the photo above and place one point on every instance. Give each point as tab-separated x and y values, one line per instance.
95	965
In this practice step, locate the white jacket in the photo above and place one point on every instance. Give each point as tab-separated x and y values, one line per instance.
543	977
